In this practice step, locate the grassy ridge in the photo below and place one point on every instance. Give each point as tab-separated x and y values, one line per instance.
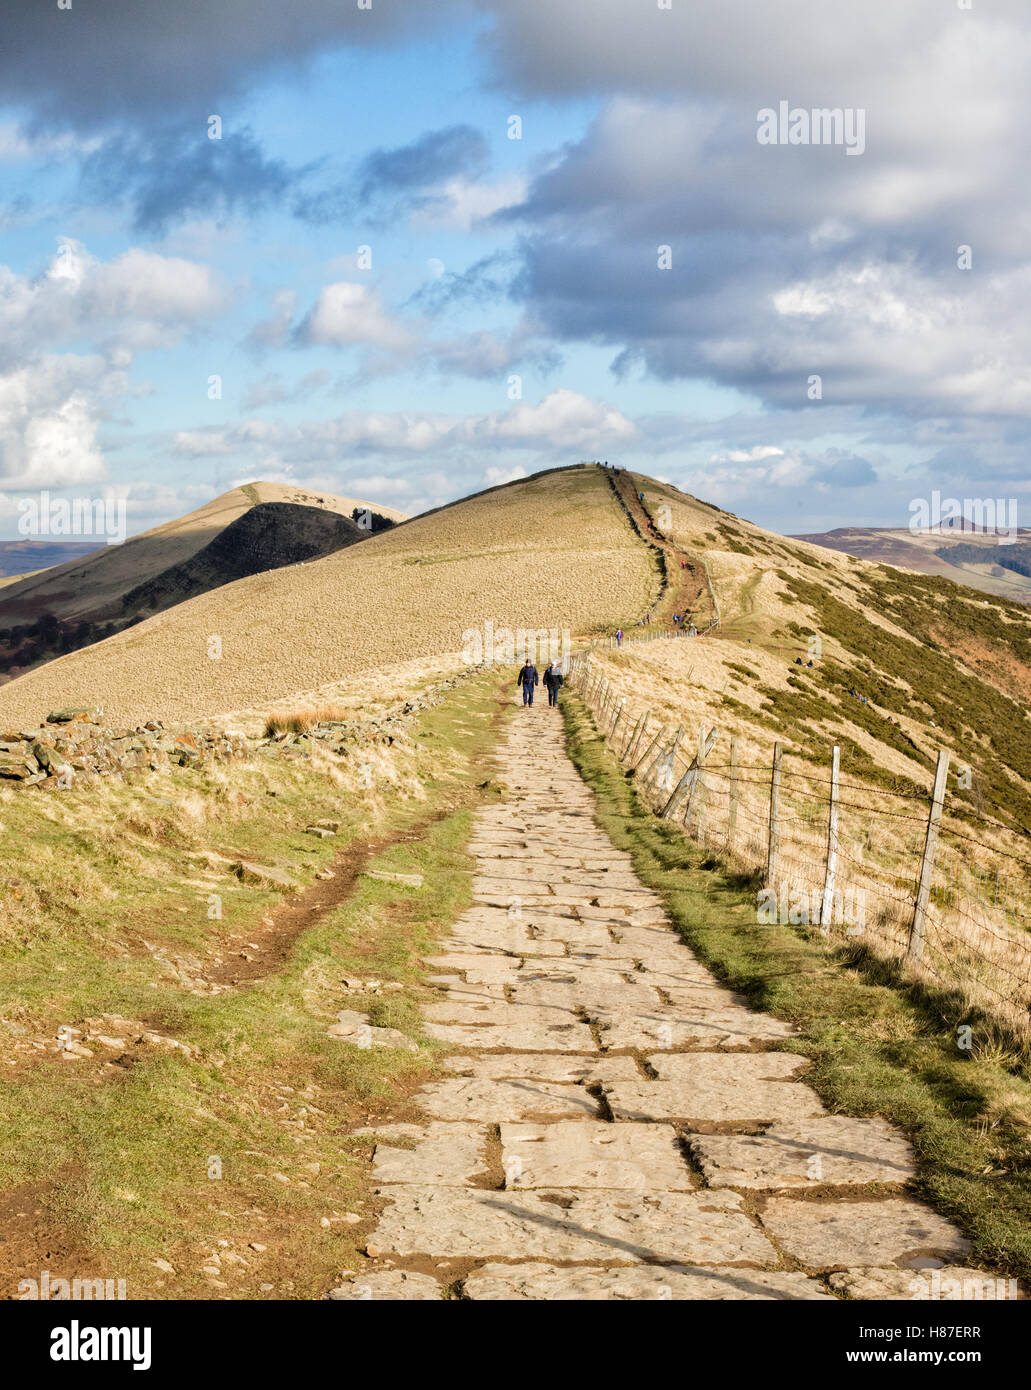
878	1046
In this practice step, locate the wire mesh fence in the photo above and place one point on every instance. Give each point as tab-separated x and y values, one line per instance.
885	868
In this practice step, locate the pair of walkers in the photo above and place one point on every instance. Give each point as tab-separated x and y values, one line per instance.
528	679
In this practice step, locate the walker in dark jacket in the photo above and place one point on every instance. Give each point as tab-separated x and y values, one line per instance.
553	679
528	678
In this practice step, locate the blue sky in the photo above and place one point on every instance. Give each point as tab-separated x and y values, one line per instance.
512	313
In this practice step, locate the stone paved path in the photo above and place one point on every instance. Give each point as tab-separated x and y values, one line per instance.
616	1125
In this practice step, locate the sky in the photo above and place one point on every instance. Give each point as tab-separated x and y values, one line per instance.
403	251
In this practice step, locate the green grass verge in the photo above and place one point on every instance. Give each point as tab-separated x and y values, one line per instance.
248	1140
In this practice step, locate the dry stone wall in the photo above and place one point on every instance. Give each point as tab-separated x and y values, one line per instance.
75	746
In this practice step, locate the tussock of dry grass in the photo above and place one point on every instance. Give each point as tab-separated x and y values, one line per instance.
304	718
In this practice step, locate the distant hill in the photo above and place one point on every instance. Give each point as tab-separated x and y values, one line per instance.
21	558
556	551
256	527
967	557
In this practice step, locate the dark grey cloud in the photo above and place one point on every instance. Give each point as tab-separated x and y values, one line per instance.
565	47
105	62
423	163
486	281
171	174
841	468
392	183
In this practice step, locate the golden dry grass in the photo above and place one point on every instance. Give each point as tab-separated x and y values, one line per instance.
553	551
303	718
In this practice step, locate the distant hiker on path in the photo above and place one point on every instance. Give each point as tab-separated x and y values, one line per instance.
619	638
528	678
553	679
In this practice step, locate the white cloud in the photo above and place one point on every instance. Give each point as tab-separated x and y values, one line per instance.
348	314
51	404
139	299
494	476
49	413
16	144
463	202
379	485
563	418
565	423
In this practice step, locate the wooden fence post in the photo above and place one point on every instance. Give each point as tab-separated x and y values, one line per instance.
916	934
688	779
773	849
692	773
827	906
667	762
650	773
648	751
630	741
620	707
638	738
706	743
732	815
698	791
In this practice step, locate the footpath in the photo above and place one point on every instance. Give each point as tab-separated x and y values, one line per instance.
616	1123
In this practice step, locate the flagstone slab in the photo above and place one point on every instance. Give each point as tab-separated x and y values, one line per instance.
478	968
388	1286
690	1106
721	1067
640	1283
884	1232
571	931
452	1010
605	1001
639	1158
948	1284
717	1088
476	1098
706	1228
513	941
831	1150
669	1026
546	1066
451	1153
549	995
453	987
521	1035
513	1017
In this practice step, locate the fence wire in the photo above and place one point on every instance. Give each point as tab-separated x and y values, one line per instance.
973	934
